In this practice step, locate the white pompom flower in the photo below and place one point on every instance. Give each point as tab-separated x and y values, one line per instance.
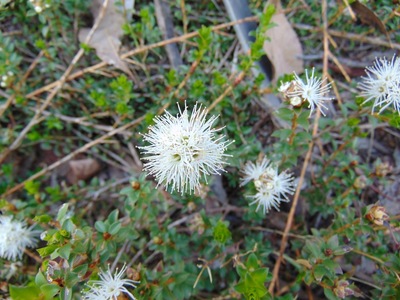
184	149
313	90
382	84
15	237
272	187
110	286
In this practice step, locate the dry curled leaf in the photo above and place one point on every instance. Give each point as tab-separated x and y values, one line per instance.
82	169
106	38
284	48
367	16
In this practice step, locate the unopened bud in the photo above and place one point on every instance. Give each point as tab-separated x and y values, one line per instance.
383	169
157	240
296	101
342	289
360	182
135	185
377	215
191	206
284	87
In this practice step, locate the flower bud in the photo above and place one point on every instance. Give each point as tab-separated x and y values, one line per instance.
135	185
383	169
342	290
360	182
296	101
377	215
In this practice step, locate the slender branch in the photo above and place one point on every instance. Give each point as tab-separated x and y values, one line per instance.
141	50
72	154
307	159
35	120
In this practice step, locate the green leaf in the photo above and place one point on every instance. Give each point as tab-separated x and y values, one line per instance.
53	122
40	279
331	265
24	292
100	226
252	262
267	15
353	122
45	251
82	269
342	250
114	228
113	217
241	287
308	278
67	228
42	219
260	275
302	138
329	294
283	134
71	279
50	290
221	232
62	212
32	187
241	271
319	272
314	249
333	242
204	39
65	251
303	119
285	113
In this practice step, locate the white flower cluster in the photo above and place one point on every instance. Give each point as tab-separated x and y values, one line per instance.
15	237
272	187
38	5
313	90
382	84
5	78
109	287
183	149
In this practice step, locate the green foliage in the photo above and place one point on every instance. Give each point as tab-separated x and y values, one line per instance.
252	279
191	246
221	233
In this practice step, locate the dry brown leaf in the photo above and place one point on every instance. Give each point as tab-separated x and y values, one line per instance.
284	49
82	169
367	16
106	38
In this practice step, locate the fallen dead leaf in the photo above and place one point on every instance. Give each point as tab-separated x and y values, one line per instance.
106	38
284	49
367	16
82	169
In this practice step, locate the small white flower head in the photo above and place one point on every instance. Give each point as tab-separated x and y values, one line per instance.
313	90
382	83
183	149
38	9
15	237
284	87
296	101
109	287
272	187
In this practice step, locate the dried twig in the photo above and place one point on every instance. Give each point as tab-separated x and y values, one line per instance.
35	120
351	36
72	154
307	159
140	50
